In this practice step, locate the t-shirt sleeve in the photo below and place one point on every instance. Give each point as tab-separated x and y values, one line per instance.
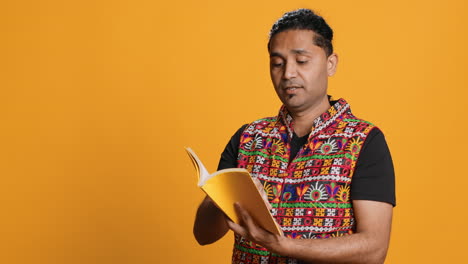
229	156
374	177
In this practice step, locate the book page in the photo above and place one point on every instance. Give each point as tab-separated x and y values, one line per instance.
203	174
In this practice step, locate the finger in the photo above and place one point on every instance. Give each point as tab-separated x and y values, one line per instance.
247	220
252	230
238	229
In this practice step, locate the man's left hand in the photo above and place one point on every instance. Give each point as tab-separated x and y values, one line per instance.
251	231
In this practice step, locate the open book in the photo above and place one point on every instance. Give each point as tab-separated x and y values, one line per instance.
225	187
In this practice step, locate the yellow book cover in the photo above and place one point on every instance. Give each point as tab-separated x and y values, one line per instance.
225	187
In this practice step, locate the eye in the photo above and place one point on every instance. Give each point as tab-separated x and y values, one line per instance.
302	59
276	62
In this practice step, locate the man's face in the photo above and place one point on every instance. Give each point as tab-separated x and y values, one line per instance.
299	70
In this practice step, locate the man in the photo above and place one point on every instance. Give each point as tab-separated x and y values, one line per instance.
326	173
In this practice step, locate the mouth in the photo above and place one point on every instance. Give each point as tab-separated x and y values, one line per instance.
291	89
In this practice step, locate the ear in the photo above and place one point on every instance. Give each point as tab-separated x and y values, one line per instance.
332	63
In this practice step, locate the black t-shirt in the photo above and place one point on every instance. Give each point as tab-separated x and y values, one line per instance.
373	177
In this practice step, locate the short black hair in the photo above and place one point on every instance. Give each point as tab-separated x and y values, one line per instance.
308	20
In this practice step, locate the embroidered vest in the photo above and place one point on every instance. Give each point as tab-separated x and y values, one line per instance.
311	194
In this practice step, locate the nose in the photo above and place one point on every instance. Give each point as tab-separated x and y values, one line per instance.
290	71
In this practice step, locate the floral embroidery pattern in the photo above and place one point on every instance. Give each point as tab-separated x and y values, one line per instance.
310	195
316	193
343	194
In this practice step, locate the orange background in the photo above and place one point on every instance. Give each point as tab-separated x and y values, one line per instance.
98	99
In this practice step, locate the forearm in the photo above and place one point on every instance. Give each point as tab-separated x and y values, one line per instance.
368	245
210	224
355	248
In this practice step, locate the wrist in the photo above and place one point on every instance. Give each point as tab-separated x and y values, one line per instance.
282	246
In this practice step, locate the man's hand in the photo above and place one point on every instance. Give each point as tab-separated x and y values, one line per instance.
209	223
249	230
368	245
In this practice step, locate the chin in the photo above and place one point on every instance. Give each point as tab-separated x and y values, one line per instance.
293	103
293	107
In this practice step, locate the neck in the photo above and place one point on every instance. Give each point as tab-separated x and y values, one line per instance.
304	120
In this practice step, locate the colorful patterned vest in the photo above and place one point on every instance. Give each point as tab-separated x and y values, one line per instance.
311	194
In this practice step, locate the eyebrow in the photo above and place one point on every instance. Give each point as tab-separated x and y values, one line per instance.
300	51
295	51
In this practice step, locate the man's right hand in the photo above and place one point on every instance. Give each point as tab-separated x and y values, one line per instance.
210	223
